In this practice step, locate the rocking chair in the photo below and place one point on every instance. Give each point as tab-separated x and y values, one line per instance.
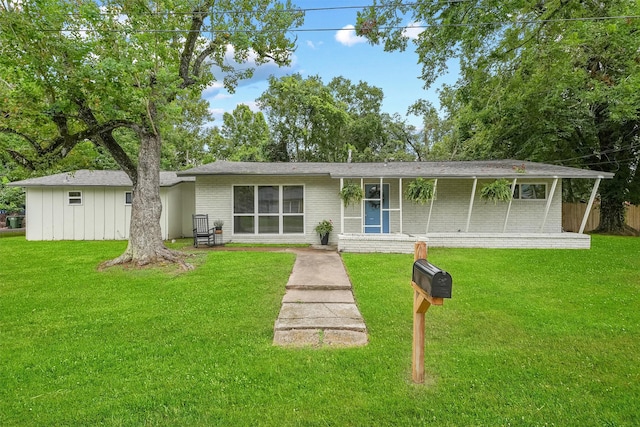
201	231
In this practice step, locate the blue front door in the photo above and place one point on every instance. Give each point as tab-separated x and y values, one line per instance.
376	217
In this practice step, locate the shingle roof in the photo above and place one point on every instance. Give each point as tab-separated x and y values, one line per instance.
459	169
87	178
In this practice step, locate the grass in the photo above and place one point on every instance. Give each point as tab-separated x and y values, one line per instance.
530	337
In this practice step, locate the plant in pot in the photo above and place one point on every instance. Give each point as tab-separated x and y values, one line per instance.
496	191
351	193
217	225
323	228
420	191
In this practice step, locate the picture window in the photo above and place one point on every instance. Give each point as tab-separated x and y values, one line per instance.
268	209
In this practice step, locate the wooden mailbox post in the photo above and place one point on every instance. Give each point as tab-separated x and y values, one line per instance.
422	300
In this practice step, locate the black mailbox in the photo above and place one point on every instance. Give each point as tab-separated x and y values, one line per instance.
431	279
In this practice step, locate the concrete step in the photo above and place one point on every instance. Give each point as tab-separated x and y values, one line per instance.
315	295
319	286
319	338
323	316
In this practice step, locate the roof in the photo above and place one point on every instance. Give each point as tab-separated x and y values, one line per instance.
97	178
448	169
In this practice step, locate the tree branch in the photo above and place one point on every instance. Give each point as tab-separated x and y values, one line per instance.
22	160
31	141
197	20
104	136
198	63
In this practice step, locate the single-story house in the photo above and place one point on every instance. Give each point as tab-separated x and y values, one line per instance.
283	202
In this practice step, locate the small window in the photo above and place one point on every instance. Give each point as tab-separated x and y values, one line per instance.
128	197
530	192
75	197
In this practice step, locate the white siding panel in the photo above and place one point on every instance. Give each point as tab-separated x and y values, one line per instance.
58	202
80	213
34	211
98	225
109	215
188	207
49	214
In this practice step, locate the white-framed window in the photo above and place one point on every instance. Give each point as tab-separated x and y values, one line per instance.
268	209
532	191
74	198
128	198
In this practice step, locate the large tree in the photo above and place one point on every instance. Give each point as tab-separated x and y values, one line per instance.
305	119
552	80
72	71
244	135
311	121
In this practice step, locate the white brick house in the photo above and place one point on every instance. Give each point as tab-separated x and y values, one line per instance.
283	202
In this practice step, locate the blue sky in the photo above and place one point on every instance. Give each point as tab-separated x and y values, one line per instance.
331	52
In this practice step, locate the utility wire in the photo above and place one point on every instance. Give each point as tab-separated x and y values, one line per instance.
316	30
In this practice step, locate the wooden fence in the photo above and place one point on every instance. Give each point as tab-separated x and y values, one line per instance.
572	214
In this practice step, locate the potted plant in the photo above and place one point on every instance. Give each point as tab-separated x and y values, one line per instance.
323	228
217	225
496	191
351	193
420	191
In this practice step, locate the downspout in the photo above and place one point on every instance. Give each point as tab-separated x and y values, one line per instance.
513	188
473	196
549	200
435	188
341	208
590	205
400	203
362	207
381	206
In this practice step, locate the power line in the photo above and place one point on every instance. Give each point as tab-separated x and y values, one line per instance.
249	12
311	30
609	151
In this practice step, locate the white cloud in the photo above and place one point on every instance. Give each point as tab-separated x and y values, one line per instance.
313	45
260	72
412	31
213	89
347	36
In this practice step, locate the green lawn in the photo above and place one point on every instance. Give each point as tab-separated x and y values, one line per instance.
530	337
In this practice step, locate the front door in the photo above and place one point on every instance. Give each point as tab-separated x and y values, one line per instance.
376	215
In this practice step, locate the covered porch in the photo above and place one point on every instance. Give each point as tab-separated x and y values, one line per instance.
386	221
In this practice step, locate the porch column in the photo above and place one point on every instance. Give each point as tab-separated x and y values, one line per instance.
473	196
590	205
549	200
435	188
513	188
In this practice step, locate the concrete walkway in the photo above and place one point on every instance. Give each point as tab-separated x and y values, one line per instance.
318	308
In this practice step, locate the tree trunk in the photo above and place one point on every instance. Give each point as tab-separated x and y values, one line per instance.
145	236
